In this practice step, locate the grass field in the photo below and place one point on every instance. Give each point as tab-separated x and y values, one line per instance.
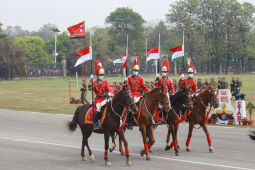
51	95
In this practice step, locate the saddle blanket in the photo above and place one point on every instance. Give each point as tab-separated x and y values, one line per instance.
89	116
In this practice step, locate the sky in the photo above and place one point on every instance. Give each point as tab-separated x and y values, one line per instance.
32	14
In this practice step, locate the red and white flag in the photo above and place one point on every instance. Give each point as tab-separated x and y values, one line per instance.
122	60
154	54
178	52
77	30
85	56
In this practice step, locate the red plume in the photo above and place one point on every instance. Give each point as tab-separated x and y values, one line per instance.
136	62
97	66
166	64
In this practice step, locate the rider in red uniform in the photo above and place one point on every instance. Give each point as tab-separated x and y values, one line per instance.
101	89
137	86
181	83
190	82
165	80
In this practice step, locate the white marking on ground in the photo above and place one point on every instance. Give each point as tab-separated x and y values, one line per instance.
158	157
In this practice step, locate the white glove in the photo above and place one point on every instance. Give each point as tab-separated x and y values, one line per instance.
125	79
110	94
91	76
182	76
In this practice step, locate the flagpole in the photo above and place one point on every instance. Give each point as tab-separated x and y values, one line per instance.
183	52
85	61
127	57
91	69
159	52
146	53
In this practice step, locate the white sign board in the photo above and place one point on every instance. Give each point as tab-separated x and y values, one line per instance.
225	110
240	112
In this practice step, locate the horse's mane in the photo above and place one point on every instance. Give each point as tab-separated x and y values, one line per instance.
206	89
176	96
152	91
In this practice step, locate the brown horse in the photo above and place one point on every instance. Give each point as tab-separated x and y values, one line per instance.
123	99
199	115
146	115
181	101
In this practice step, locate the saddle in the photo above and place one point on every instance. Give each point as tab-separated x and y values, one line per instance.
89	115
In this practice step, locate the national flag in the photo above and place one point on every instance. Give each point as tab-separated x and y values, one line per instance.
154	54
85	56
126	61
178	52
122	60
77	30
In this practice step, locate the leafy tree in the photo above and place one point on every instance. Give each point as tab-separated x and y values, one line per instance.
2	34
11	58
124	21
35	49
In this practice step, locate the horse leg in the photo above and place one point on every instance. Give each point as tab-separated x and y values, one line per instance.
86	136
175	142
120	144
191	126
82	149
170	130
176	131
106	147
151	137
145	151
113	143
149	140
204	126
122	136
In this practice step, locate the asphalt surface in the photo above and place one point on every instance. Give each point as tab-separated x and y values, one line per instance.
38	141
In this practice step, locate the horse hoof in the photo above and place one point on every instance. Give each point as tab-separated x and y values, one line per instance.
122	153
148	158
142	152
150	150
177	153
128	161
107	163
187	149
211	150
167	148
84	158
92	158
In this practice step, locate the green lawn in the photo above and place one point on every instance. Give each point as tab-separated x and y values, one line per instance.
51	95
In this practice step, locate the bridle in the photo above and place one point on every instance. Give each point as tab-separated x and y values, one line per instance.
162	103
122	105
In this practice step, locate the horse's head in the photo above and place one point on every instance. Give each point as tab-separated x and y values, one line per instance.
128	98
213	97
188	99
164	98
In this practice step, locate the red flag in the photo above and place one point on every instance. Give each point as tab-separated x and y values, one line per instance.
153	50
126	62
77	30
82	52
176	49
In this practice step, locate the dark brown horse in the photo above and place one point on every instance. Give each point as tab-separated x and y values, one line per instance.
207	97
181	102
123	99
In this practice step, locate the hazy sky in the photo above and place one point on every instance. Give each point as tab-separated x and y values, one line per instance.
32	14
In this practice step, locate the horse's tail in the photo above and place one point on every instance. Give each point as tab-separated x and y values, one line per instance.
73	124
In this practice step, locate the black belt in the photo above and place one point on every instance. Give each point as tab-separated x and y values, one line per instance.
138	91
101	96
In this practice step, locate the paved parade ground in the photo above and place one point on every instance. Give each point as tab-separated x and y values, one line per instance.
30	140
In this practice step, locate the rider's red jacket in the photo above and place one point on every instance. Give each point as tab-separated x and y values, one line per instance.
168	82
101	88
136	85
191	84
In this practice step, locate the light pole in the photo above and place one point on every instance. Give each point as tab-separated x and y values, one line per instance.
55	30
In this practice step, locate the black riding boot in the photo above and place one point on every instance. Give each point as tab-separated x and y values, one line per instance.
97	123
130	121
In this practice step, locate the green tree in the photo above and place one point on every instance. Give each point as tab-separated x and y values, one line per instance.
124	21
11	58
2	34
35	49
250	107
